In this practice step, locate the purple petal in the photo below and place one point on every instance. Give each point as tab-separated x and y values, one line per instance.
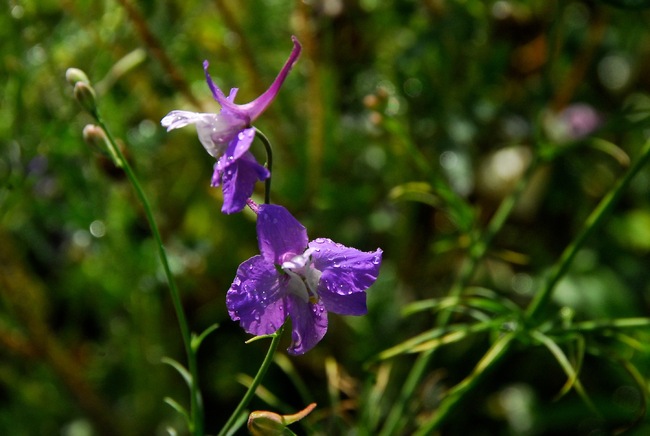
239	180
308	324
217	93
279	234
240	144
255	108
255	299
352	304
345	270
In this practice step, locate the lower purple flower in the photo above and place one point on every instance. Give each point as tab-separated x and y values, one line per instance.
237	171
299	279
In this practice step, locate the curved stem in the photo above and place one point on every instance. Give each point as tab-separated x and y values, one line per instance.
269	163
196	405
256	382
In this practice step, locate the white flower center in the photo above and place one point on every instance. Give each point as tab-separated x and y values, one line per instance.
303	277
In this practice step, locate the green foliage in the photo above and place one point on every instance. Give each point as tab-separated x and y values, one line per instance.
432	129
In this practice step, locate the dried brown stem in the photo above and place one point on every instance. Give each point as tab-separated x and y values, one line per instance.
579	69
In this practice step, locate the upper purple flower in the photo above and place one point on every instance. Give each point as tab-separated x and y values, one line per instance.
300	279
228	135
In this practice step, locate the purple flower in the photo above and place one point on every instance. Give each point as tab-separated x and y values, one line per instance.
228	135
300	279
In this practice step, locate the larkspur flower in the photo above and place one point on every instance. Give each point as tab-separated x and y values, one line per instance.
228	135
299	279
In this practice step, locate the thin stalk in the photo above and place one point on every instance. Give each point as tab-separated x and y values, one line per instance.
467	270
196	404
269	163
250	393
541	300
605	324
594	221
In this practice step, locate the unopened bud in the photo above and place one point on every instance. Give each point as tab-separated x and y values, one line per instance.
85	95
265	423
94	136
74	75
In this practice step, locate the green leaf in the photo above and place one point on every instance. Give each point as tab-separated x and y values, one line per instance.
179	368
437	337
197	340
572	374
177	407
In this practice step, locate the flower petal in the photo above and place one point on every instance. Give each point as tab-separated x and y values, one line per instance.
255	298
255	108
215	130
352	304
239	180
217	93
279	234
345	270
177	119
240	144
308	324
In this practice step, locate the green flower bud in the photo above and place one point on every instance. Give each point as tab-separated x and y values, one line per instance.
94	136
265	423
74	75
85	95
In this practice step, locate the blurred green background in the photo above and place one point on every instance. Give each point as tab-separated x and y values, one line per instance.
403	126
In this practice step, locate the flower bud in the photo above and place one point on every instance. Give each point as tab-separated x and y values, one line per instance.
264	423
94	136
74	75
85	95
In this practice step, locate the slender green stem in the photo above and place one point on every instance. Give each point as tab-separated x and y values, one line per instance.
594	220
196	404
605	324
250	393
269	163
541	300
467	270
